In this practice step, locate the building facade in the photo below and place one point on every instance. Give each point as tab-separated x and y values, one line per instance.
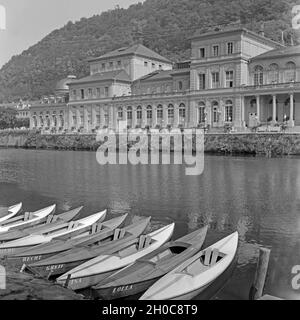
234	78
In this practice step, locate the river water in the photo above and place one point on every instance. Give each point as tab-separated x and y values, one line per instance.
259	197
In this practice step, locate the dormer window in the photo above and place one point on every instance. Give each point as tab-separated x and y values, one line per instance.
145	64
103	66
153	65
119	63
215	51
111	64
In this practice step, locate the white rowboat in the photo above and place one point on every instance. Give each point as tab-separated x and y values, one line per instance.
193	276
28	219
94	270
57	231
11	212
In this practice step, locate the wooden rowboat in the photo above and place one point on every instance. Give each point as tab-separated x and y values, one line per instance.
195	275
52	220
97	269
10	212
97	232
87	249
26	219
138	277
52	232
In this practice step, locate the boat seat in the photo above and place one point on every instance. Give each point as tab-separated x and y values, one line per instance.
94	228
54	218
116	234
147	242
26	216
49	219
207	257
215	256
141	242
122	233
71	224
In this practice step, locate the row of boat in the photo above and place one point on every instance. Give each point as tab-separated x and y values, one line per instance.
111	258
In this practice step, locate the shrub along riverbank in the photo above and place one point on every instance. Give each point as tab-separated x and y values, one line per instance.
268	144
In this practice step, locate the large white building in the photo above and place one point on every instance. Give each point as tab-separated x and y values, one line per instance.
234	77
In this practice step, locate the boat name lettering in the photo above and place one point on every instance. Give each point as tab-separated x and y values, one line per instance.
124	288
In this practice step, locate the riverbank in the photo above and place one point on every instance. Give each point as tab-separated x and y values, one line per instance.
21	286
268	144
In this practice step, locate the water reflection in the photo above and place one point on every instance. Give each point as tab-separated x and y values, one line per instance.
259	197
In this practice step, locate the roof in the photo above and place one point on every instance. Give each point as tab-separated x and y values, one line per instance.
63	83
119	75
228	29
286	51
163	74
137	49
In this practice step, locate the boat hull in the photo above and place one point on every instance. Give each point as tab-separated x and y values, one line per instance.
121	292
81	283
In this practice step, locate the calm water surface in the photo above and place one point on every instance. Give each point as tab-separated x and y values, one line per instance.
259	197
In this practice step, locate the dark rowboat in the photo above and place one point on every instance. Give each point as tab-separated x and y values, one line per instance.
139	276
52	221
86	250
97	232
103	265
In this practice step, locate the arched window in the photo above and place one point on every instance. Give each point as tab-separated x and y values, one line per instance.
129	113
215	108
120	113
139	113
159	111
201	112
274	73
170	112
228	111
258	76
180	85
182	111
149	112
290	73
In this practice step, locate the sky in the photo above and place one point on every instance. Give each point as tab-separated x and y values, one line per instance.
29	21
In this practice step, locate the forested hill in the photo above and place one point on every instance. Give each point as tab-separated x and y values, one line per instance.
162	25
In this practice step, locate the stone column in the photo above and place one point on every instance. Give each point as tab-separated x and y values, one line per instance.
134	117
165	115
78	118
243	111
291	121
176	116
258	108
144	116
94	117
102	119
70	123
86	119
208	113
154	116
111	117
274	110
222	113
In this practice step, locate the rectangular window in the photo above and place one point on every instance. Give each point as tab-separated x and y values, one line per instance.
90	92
98	118
202	52
106	91
74	94
215	51
82	93
103	66
111	64
182	113
215	79
202	81
230	48
228	113
201	115
98	92
229	79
